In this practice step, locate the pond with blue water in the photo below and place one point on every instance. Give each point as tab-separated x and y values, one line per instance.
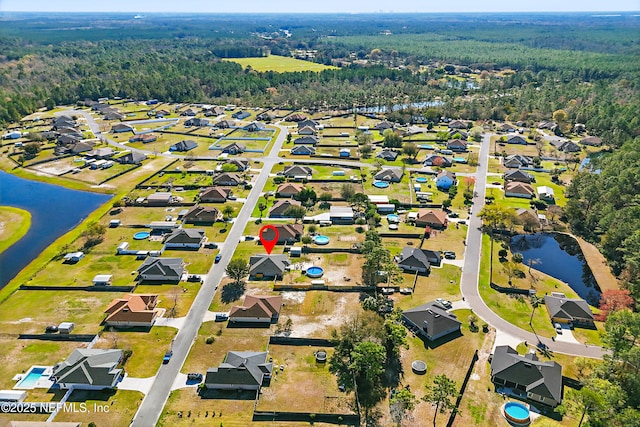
55	210
559	256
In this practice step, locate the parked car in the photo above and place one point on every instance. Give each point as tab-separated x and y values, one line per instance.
217	258
51	329
558	327
221	317
449	254
167	357
194	376
444	303
454	215
232	197
210	245
194	278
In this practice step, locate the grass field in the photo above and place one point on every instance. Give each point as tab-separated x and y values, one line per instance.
280	64
14	223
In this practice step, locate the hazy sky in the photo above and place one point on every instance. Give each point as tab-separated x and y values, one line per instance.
321	6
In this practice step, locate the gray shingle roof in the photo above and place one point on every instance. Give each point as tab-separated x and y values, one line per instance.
268	265
432	319
240	368
568	308
89	366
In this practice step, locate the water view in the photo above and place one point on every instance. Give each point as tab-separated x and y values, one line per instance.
54	211
560	256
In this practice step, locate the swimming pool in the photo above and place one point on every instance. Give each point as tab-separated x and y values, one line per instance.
315	272
517	413
393	218
380	184
421	179
141	235
29	381
321	240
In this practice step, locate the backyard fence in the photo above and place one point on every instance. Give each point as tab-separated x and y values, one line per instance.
513	291
58	337
119	174
316	342
452	417
340	419
77	288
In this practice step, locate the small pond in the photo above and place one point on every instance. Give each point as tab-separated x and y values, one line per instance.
54	210
560	256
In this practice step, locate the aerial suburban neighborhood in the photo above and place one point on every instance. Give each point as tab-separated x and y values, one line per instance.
286	259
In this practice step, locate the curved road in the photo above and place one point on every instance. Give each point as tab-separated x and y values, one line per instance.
471	270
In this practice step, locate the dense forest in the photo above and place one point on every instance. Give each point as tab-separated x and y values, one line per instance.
513	67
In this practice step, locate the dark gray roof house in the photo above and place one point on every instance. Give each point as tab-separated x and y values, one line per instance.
303	150
389	174
310	139
186	145
234	148
214	195
89	369
184	238
121	127
161	269
196	121
526	376
227	178
389	155
516	139
268	266
65	139
297	171
241	370
255	126
242	163
431	321
133	158
568	310
201	215
519	176
517	161
280	207
416	259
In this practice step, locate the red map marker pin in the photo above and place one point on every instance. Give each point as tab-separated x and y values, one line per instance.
268	237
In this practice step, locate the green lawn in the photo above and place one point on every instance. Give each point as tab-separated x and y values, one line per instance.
120	405
280	64
14	223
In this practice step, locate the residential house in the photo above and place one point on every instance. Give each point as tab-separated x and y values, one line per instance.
546	194
298	172
431	321
89	369
133	158
431	218
516	139
507	127
459	134
517	161
185	145
528	218
67	139
101	153
241	163
296	117
197	122
225	124
241	370
257	310
266	116
227	178
112	114
518	175
566	146
341	215
81	147
214	195
144	138
234	148
241	115
205	215
265	266
303	150
255	127
445	179
184	238
133	310
591	140
437	160
161	270
289	189
518	189
416	259
457	145
70	131
121	127
188	113
390	175
526	376
574	311
307	130
213	111
287	233
63	121
160	198
384	125
388	155
310	140
457	124
307	123
546	124
280	207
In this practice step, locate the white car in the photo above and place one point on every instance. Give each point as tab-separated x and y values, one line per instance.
558	327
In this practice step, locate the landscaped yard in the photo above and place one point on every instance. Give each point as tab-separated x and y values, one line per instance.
120	405
440	283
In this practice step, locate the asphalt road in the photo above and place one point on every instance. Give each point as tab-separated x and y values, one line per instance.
471	270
